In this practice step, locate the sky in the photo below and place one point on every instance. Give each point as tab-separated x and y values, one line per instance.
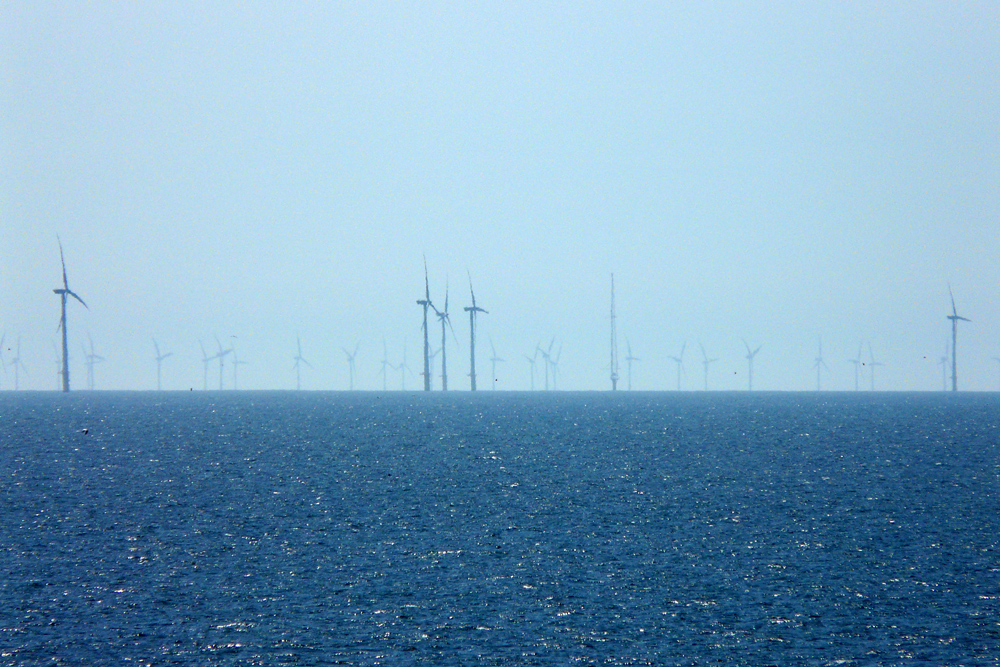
780	173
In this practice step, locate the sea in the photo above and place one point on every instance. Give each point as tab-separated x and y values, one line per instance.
499	528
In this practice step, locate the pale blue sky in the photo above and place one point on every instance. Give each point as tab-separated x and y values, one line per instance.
775	172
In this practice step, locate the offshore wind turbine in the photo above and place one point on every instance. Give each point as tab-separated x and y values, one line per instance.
679	360
63	292
996	359
445	320
299	360
750	356
159	362
472	310
205	361
955	318
237	362
221	356
547	358
433	356
532	361
614	340
872	364
857	366
385	367
18	366
943	360
350	364
403	368
494	360
91	359
706	362
426	302
628	360
819	365
555	369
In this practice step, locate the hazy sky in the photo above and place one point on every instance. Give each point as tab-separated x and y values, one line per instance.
261	171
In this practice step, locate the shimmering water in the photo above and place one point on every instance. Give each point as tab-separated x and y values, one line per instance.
309	529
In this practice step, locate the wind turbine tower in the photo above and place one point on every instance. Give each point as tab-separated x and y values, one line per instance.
943	360
472	310
679	360
159	362
954	317
350	364
237	362
426	302
819	365
857	367
433	356
628	360
547	358
403	368
614	340
91	359
555	368
750	356
18	366
299	360
63	292
706	362
221	356
445	320
385	366
532	361
872	363
494	360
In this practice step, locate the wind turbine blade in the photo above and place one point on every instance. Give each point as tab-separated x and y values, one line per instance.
77	297
953	310
427	284
63	260
470	288
747	345
758	349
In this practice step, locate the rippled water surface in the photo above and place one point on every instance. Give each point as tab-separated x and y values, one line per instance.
316	529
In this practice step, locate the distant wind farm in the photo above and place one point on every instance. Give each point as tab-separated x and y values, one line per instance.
668	372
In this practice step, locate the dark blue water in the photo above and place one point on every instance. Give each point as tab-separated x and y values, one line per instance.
316	529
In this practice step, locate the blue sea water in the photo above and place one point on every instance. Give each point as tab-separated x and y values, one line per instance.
510	528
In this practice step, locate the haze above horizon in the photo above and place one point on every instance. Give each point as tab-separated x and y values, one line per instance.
266	173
